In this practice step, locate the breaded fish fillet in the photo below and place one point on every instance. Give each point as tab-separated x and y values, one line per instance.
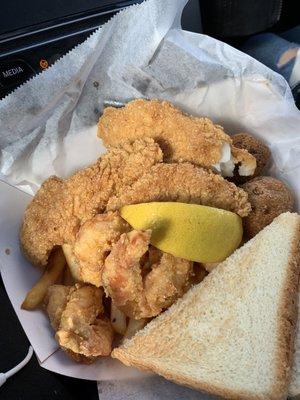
185	183
59	208
181	137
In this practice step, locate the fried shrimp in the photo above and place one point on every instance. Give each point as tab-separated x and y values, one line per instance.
56	301
143	297
60	207
185	183
77	315
94	241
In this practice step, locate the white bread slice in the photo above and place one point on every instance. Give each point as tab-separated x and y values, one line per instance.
231	335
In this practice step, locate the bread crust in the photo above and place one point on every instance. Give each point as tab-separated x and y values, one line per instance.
287	318
288	309
198	385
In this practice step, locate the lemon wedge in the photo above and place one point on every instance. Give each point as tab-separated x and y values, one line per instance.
190	231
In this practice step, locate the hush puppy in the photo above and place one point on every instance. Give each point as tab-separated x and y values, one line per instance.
269	198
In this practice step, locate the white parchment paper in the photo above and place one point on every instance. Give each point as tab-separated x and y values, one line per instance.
48	126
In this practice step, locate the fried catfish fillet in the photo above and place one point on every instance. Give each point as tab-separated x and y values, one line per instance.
181	137
185	183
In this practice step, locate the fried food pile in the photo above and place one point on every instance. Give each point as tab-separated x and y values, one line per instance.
156	153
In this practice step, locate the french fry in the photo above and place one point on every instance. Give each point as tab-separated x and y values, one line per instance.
117	319
53	272
71	261
134	325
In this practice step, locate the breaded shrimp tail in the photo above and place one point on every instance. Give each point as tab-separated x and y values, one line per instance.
181	137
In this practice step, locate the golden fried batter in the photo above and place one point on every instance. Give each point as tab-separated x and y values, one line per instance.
48	221
269	198
184	183
255	147
94	241
91	187
133	173
164	182
78	316
143	297
59	208
181	137
56	301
